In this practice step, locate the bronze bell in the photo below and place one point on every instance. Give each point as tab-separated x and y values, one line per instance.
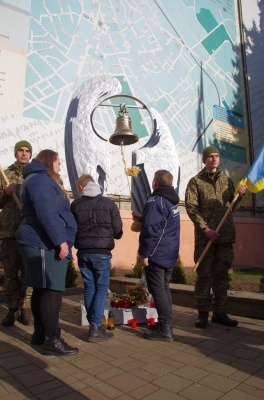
123	134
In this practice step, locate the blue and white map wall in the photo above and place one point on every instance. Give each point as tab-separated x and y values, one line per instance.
182	62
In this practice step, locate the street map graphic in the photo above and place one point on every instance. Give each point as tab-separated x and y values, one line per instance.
179	57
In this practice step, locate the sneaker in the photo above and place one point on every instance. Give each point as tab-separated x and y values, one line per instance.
11	317
202	319
98	333
223	319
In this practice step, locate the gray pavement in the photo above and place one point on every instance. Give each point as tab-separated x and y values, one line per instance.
214	363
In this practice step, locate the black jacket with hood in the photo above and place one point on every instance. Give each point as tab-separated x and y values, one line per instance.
98	221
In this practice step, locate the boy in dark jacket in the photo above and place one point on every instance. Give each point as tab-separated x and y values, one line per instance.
159	247
98	224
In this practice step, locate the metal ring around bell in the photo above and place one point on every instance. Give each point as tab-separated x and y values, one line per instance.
110	105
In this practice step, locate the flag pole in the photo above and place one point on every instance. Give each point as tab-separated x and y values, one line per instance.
7	182
218	228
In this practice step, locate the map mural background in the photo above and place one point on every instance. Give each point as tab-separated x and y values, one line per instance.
180	58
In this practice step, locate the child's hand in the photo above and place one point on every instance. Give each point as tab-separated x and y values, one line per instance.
136	216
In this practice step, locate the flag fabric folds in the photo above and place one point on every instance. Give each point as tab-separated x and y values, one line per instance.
255	176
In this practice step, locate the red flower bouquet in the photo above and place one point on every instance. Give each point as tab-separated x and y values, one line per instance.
135	295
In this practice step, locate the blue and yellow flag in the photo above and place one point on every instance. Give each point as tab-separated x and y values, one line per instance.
255	176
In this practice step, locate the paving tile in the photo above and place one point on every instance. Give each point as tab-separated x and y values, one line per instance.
144	391
248	354
124	383
109	373
122	360
14	362
108	389
215	363
191	373
143	375
132	365
40	377
198	391
86	363
164	394
256	381
55	393
238	394
251	390
218	382
157	368
172	382
44	387
92	394
220	368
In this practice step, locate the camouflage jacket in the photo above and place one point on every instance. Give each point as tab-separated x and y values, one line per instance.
10	214
207	198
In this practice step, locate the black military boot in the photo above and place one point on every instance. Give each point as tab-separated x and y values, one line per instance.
163	333
223	319
58	347
98	333
202	319
11	317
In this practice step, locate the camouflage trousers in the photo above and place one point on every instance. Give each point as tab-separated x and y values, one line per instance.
212	273
16	294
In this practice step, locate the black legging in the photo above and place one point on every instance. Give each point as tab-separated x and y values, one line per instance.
46	305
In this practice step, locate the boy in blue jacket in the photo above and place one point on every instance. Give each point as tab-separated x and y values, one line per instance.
159	247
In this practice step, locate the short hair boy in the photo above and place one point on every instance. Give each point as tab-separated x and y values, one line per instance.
159	247
98	225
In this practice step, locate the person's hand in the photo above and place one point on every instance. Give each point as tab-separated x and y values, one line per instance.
211	234
136	216
64	250
242	190
10	189
143	261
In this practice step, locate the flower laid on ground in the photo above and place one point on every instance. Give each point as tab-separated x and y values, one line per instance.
135	295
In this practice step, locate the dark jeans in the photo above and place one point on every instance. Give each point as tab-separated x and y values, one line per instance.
95	270
158	279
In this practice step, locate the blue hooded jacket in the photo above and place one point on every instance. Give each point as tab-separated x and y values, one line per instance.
46	218
159	237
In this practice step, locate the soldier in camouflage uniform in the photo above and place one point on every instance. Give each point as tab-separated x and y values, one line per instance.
17	296
207	198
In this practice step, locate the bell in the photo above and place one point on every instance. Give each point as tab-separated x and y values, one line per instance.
123	134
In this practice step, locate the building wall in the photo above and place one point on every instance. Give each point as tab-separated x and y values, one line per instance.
248	247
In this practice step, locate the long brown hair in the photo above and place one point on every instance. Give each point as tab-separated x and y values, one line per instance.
47	157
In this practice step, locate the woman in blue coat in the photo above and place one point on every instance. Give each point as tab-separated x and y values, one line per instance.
45	238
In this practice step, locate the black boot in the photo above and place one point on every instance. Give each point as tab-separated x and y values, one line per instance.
223	319
97	333
58	347
163	333
155	327
11	317
38	336
202	319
